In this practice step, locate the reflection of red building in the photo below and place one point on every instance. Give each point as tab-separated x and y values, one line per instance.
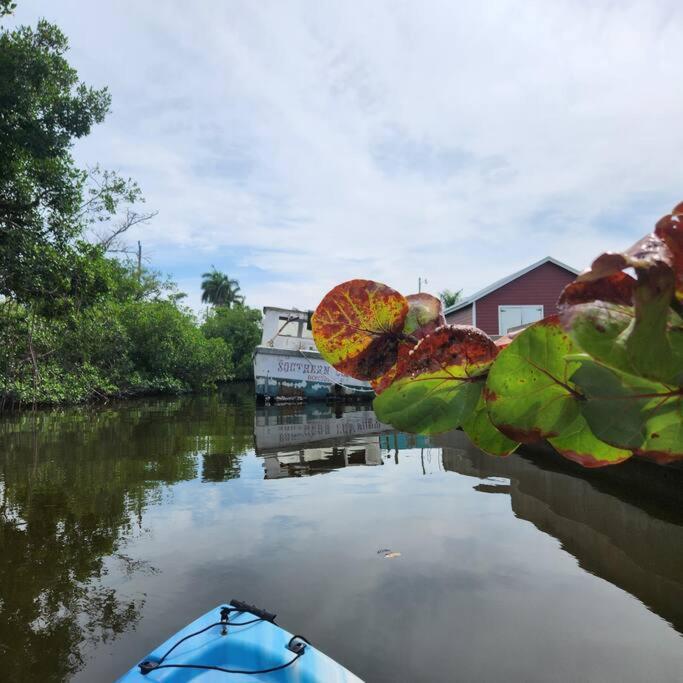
519	299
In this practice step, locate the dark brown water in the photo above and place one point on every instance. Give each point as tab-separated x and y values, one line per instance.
119	524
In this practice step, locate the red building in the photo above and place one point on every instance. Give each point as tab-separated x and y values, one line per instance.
519	299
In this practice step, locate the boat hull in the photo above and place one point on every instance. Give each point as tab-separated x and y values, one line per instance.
283	374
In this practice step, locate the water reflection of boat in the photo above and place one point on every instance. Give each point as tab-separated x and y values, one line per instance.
623	524
316	438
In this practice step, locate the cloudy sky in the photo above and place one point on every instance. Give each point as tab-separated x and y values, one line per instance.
299	144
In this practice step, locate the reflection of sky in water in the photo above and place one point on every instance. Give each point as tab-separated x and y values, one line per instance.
510	569
476	591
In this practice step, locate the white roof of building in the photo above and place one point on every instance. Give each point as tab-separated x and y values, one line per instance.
504	281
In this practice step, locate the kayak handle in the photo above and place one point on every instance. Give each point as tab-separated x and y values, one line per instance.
256	611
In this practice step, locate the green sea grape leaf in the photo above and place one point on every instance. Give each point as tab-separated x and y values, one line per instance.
438	383
597	313
528	391
579	444
648	341
358	327
627	324
631	412
483	433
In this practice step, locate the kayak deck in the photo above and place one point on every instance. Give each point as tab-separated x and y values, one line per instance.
259	650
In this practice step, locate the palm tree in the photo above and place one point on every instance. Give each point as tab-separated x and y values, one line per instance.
219	290
450	298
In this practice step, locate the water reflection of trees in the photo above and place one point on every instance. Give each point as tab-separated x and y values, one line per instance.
73	488
624	524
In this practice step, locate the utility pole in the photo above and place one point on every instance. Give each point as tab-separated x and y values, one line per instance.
139	261
419	284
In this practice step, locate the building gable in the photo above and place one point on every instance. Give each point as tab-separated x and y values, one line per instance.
541	286
538	285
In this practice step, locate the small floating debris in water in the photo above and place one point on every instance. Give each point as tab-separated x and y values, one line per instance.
388	553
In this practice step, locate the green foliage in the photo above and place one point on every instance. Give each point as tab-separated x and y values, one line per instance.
167	342
7	7
111	348
450	298
601	382
240	328
220	290
44	109
74	324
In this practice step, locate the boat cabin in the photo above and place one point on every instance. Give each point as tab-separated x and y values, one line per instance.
285	328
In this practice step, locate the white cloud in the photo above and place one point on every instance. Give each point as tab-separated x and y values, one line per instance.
323	140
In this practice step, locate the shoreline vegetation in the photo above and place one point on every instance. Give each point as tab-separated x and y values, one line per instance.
83	317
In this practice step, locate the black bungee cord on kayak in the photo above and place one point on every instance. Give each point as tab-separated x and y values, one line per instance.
297	644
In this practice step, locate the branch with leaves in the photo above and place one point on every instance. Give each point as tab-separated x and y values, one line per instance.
601	382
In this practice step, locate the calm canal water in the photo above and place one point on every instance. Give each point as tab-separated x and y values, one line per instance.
119	524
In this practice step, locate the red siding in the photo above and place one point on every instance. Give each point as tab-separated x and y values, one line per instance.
541	286
462	316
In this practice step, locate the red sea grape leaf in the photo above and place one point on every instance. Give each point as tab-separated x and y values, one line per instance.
646	253
670	230
438	383
616	288
462	350
357	327
528	392
379	384
425	314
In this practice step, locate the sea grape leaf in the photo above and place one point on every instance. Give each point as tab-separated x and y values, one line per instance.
528	391
648	342
425	314
483	433
670	230
648	252
579	444
627	324
379	384
357	327
438	383
597	313
631	412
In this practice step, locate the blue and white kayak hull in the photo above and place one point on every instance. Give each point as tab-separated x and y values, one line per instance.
258	646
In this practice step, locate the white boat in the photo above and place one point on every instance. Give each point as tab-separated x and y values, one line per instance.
287	365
